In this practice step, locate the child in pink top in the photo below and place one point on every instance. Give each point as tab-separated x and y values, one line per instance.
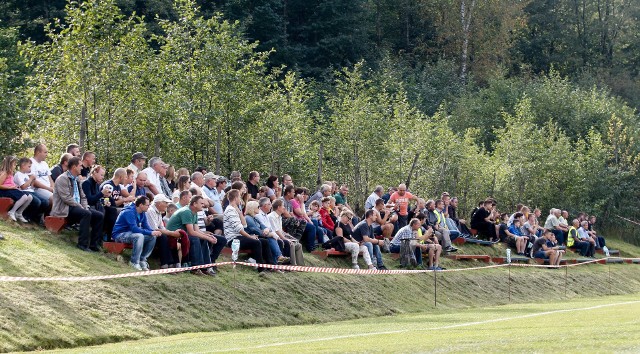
8	189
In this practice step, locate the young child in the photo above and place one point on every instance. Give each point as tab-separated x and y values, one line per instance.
314	211
516	239
9	189
325	214
24	180
171	208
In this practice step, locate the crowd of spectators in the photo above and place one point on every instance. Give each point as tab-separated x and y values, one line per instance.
190	217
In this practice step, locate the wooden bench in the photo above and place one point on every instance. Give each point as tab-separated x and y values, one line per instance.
514	259
542	261
615	260
116	247
330	252
475	241
5	206
54	224
468	257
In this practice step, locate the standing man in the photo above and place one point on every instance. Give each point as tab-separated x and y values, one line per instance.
137	163
253	186
70	202
132	227
402	198
88	160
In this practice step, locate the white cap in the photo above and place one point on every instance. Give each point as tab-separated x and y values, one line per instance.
161	198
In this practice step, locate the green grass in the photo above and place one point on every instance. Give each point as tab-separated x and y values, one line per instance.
587	325
48	315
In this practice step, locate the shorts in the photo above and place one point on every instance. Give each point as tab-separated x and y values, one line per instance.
540	254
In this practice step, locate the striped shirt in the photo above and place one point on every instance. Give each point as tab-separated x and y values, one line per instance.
232	223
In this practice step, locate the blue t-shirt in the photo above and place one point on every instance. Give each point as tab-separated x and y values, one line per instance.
514	230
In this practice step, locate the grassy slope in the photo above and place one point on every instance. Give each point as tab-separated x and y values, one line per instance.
54	315
508	328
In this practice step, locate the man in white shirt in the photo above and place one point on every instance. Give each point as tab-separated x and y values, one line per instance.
154	172
39	168
275	224
370	203
216	194
137	163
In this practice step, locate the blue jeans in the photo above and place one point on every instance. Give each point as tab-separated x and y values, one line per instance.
275	249
310	234
320	232
375	250
417	252
142	245
199	251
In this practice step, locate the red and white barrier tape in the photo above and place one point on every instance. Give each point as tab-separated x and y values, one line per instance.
305	269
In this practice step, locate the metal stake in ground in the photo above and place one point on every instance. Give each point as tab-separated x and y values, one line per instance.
435	288
566	269
509	281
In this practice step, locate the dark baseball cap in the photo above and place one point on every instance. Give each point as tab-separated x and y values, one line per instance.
138	156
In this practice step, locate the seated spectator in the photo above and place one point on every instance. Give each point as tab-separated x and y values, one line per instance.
434	220
583	242
234	225
70	202
171	208
138	188
43	184
88	160
341	196
117	180
137	163
216	195
532	227
482	221
171	243
9	189
515	238
429	245
383	224
61	167
185	198
546	248
267	237
132	227
600	241
99	198
298	228
171	177
553	224
155	177
323	191
461	224
363	234
186	218
299	212
444	223
370	203
184	183
24	180
127	187
325	216
344	241
387	195
291	245
275	191
287	180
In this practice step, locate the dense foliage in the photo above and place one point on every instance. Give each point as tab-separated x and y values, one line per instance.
475	98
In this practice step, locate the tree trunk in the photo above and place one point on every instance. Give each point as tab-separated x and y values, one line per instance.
158	135
218	143
465	20
83	127
320	157
413	167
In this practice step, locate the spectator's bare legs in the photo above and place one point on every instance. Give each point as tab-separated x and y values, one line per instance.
437	252
559	256
387	230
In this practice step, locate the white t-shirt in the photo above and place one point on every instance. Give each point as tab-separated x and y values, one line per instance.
276	221
20	178
153	177
41	171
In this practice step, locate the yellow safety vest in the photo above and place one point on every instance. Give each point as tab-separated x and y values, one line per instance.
570	239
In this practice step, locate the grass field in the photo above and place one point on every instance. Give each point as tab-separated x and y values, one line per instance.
605	324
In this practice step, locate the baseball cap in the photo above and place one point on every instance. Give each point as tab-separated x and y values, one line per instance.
161	198
137	156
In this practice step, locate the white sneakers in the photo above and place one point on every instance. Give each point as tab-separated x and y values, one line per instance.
12	215
16	217
21	218
135	266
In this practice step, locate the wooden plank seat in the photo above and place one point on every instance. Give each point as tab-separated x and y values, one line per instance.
55	224
611	252
5	206
330	252
116	247
476	241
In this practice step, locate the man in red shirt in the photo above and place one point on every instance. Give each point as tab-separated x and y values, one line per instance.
402	198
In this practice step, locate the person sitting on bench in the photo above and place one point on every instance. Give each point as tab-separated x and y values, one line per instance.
132	227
